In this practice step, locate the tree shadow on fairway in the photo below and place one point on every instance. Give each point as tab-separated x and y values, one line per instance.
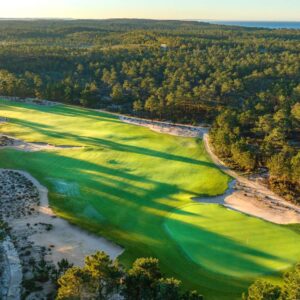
132	215
31	124
65	110
111	145
112	184
220	254
148	152
126	202
71	111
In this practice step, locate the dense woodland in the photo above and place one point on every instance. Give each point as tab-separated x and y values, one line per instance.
244	81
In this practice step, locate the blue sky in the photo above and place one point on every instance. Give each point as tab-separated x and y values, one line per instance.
277	10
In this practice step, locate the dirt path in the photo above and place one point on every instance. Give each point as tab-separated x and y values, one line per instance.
11	289
167	127
176	129
253	198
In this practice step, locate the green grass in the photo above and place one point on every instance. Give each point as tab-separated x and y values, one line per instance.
231	243
128	183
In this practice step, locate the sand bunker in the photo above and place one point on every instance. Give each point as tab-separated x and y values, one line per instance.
251	197
14	143
66	241
38	235
167	128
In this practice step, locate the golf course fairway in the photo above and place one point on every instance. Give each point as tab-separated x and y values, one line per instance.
208	233
134	187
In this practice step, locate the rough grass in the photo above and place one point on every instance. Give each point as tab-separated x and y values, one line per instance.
124	184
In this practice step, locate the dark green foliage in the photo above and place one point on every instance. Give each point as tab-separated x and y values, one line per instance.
42	271
168	289
243	156
263	290
74	283
284	173
4	229
120	62
62	267
291	286
141	279
191	295
102	278
89	95
105	273
30	286
263	133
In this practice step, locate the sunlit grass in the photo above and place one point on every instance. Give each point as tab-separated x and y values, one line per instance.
232	243
123	184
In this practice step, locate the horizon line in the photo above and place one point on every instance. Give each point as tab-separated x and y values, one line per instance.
150	19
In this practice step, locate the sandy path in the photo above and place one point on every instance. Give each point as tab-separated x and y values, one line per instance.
253	198
66	240
32	147
13	272
176	129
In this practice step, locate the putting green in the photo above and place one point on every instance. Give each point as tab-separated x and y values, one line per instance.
231	243
124	183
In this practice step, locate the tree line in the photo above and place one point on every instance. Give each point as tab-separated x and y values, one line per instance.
103	278
265	290
246	82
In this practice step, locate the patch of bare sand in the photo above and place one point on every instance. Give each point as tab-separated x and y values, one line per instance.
253	198
251	205
167	127
17	144
65	240
34	101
